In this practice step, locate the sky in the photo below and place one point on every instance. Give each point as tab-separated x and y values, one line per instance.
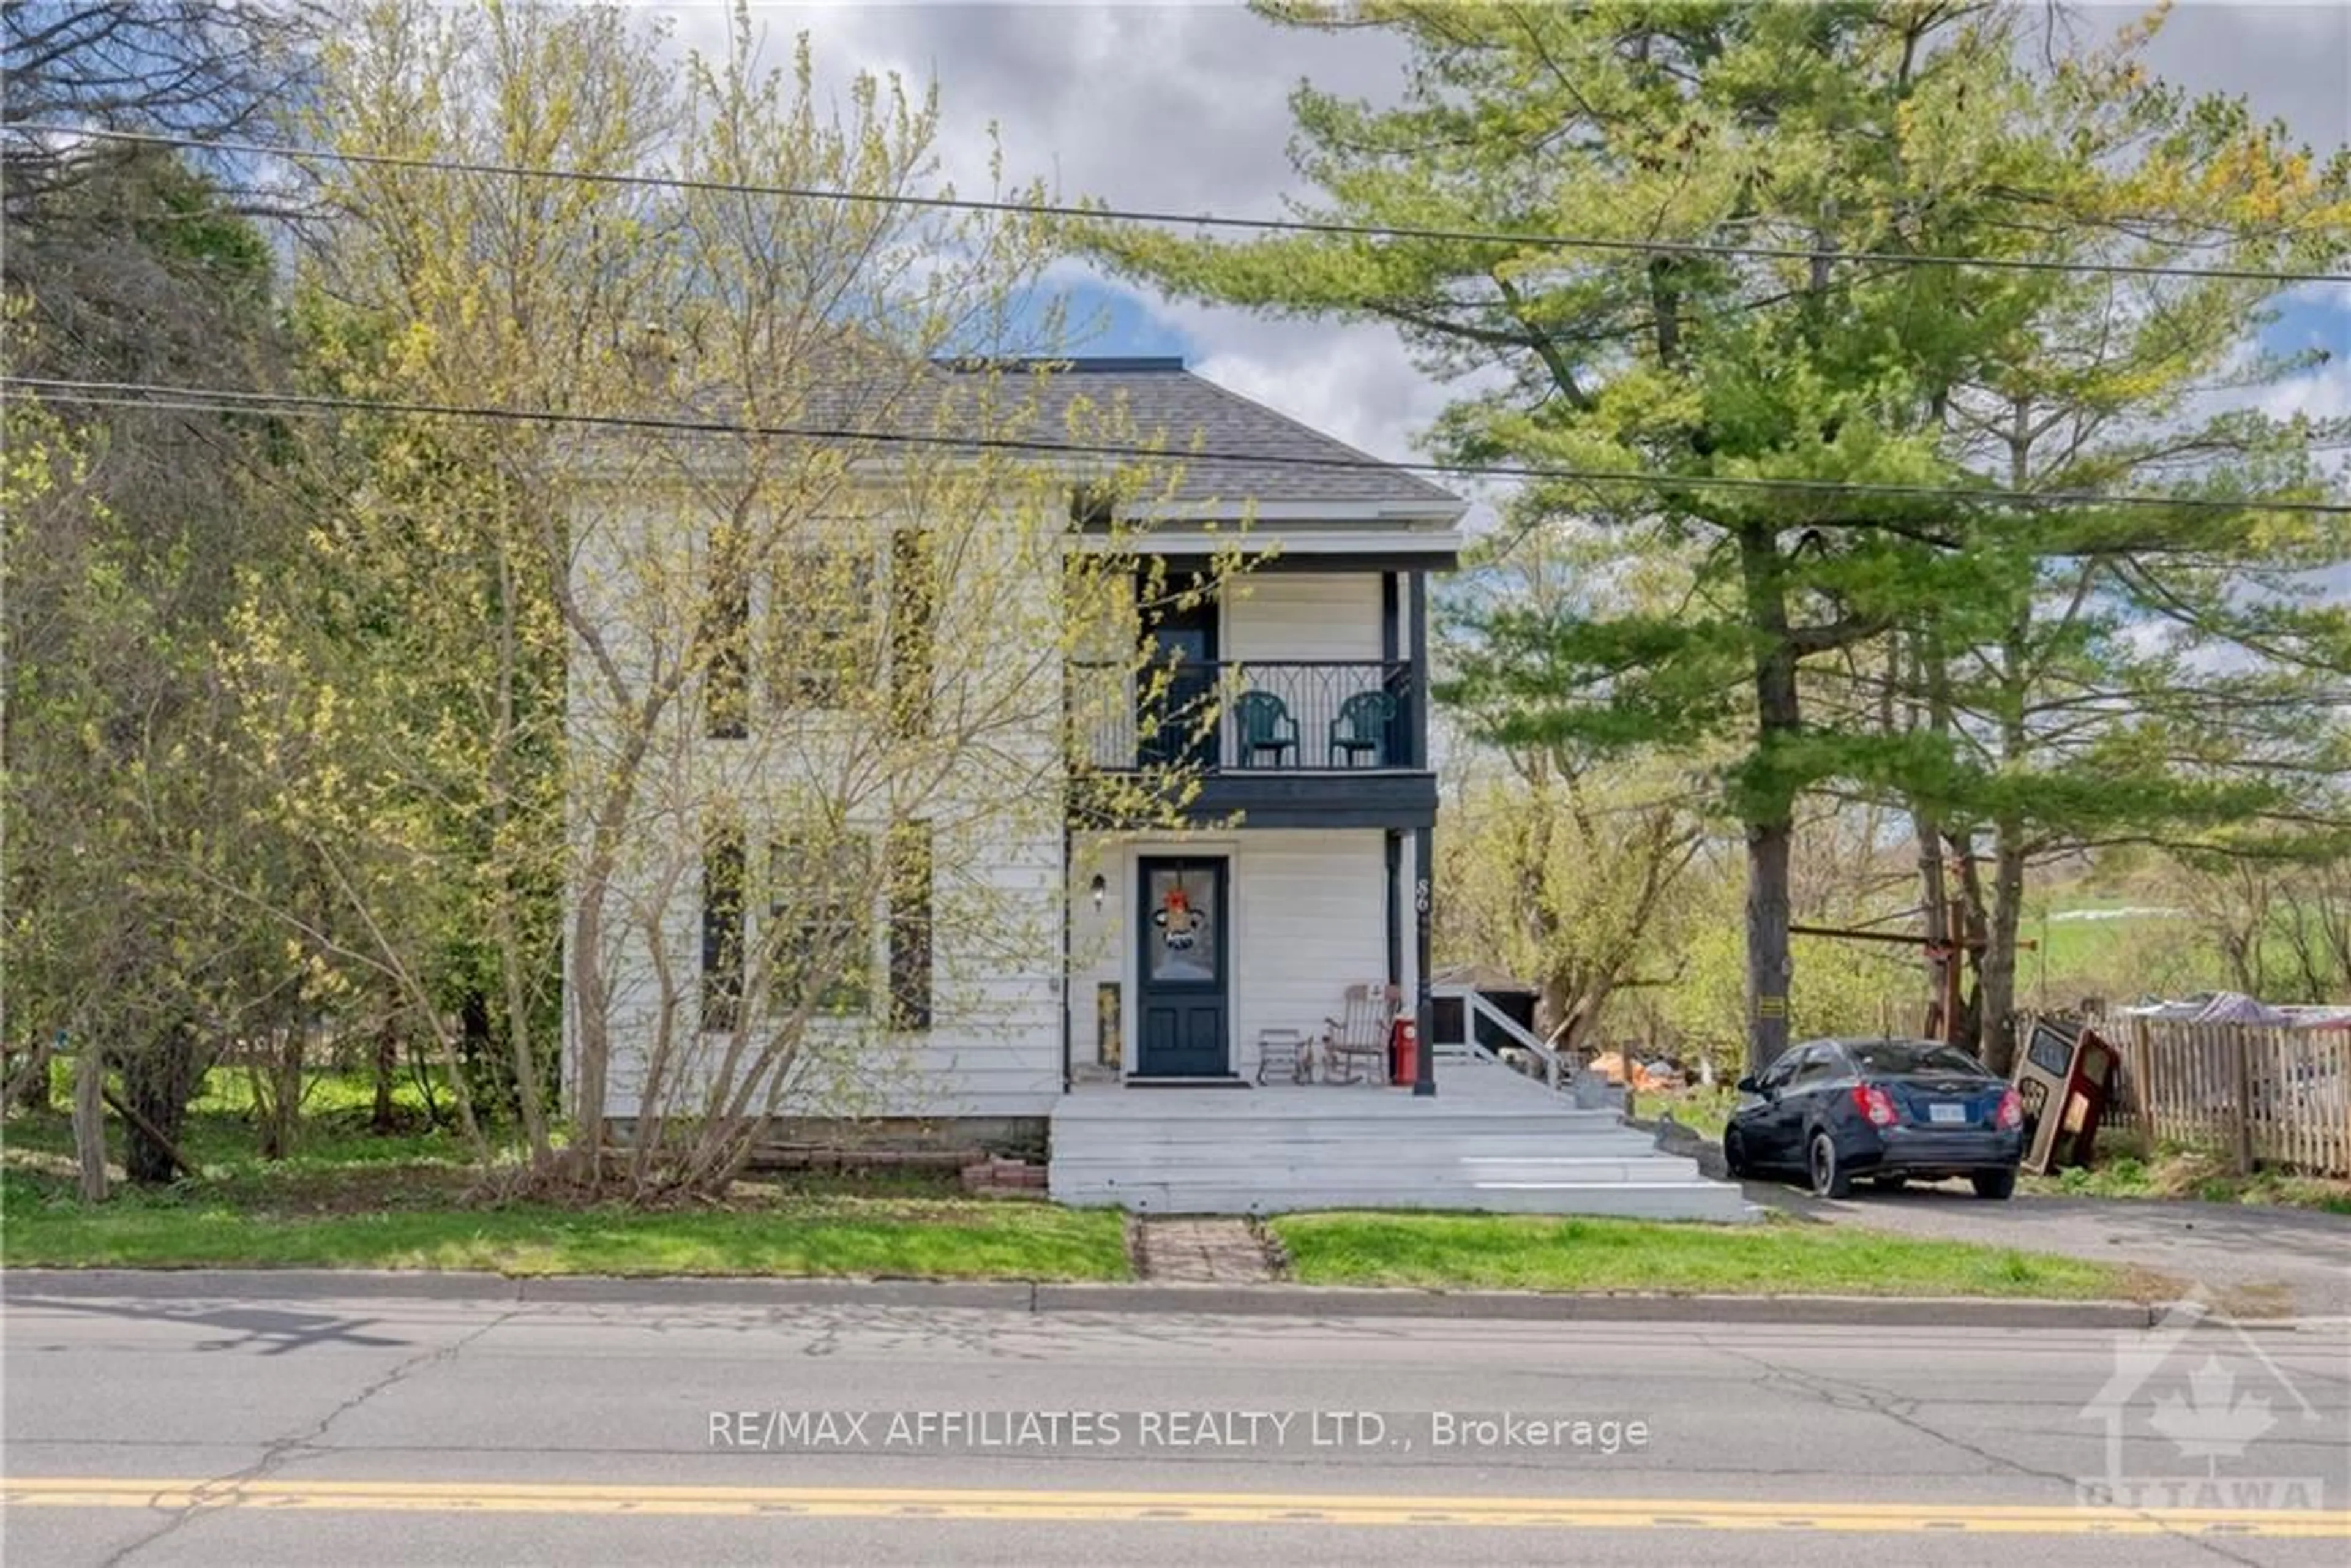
1183	106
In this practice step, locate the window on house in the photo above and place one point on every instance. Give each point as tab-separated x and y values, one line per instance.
820	904
722	929
913	578
824	632
726	664
910	902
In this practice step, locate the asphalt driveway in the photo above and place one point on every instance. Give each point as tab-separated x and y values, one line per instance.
2254	1257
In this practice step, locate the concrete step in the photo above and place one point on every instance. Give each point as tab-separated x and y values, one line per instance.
1389	1129
1357	1157
1697	1200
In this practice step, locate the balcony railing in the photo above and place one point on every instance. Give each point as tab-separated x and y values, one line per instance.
1249	716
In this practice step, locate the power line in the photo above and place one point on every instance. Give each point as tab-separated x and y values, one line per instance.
1329	227
231	399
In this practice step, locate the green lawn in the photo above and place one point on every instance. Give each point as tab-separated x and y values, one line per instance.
1778	1257
348	1198
821	1234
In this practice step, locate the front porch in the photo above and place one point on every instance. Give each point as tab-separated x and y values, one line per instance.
1491	1139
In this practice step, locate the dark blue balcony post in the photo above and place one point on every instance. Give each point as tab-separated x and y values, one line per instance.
1415	702
1424	894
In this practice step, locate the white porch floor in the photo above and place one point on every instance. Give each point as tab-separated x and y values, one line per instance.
1489	1139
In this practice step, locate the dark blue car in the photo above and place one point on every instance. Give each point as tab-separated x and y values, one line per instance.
1889	1111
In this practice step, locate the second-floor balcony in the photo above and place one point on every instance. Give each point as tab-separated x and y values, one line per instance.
1252	717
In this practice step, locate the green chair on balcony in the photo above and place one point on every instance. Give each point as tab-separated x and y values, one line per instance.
1359	735
1262	724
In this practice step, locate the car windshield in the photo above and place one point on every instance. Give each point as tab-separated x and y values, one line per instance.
1913	1056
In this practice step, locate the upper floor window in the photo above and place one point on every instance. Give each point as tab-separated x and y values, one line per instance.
836	626
823	639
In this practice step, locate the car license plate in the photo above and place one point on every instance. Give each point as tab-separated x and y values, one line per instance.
1944	1113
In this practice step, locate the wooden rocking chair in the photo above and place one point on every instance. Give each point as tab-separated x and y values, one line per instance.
1355	1046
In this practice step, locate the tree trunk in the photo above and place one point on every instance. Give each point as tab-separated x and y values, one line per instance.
1997	995
1769	965
89	1121
1769	803
158	1083
1935	904
29	1089
1933	678
1969	921
387	1066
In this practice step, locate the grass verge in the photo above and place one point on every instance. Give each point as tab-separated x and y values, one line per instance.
2193	1174
1778	1257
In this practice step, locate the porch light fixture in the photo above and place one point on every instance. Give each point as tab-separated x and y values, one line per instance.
1099	888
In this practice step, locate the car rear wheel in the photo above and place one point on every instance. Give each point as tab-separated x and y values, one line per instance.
1994	1185
1734	1152
1829	1179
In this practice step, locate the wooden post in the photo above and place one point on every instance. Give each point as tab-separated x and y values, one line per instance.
2148	1117
2241	1129
2343	1087
89	1121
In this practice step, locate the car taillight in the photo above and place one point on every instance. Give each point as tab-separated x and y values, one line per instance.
1873	1102
2011	1111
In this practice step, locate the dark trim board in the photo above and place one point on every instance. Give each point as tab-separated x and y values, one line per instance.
1399	800
1411	562
1319	799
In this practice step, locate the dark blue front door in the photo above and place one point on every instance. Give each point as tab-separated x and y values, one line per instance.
1180	1000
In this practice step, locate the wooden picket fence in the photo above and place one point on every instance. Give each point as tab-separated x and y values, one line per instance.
2258	1095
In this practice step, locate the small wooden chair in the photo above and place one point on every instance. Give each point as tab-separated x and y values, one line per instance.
1355	1046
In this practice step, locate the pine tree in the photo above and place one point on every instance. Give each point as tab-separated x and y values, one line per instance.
1754	180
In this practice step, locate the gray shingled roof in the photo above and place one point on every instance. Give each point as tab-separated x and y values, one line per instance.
1169	403
1156	401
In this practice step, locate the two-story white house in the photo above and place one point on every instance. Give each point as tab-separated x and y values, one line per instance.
1160	997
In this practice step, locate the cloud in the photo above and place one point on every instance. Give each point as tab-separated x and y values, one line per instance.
2323	394
2291	61
1184	108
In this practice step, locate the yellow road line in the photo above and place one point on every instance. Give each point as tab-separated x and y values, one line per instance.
1194	1507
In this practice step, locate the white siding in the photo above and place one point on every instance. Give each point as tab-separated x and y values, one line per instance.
1303	615
1311	921
994	1049
1309	915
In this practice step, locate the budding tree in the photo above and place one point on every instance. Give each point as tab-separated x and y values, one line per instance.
746	623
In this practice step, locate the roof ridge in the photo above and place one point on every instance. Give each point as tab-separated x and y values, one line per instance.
1068	364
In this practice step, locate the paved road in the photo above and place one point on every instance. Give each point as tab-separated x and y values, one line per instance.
150	1429
2256	1256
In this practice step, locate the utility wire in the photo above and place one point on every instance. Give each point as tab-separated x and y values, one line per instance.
1197	220
230	400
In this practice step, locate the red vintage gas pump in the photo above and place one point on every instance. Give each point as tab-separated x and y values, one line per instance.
2065	1075
1404	1052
